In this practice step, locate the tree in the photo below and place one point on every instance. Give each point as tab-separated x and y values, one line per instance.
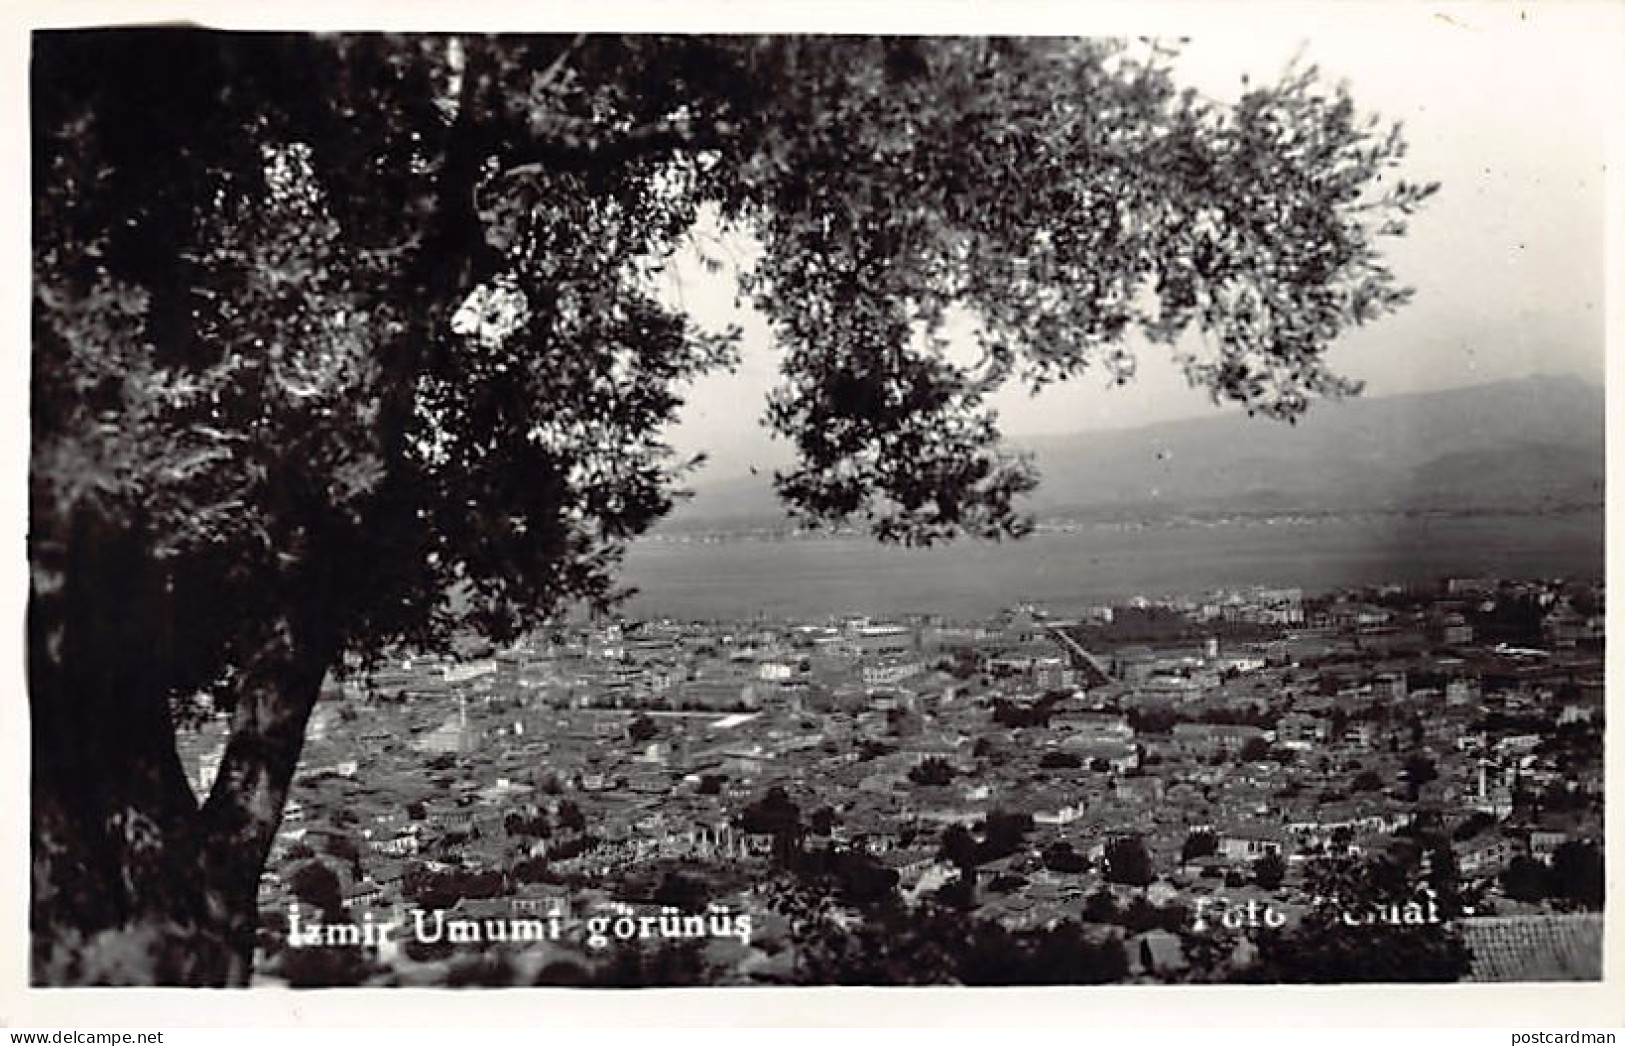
962	664
1198	844
681	891
1584	599
1059	761
936	944
775	814
1018	714
1061	857
1418	770
932	770
323	967
530	870
570	816
1577	874
1269	870
642	728
315	884
1003	833
857	879
1367	781
1100	907
1007	882
869	748
1127	862
1526	879
1141	915
1474	823
1323	948
531	825
959	848
823	821
348	342
958	893
347	850
1255	749
1153	719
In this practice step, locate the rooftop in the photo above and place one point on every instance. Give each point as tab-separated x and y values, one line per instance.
1546	947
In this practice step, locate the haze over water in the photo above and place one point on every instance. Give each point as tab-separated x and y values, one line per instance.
810	579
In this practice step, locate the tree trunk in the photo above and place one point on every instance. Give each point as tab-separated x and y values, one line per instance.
244	808
116	895
131	882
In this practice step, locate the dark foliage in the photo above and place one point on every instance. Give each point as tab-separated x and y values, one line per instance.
1128	863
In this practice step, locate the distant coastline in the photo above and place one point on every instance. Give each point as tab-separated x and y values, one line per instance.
1071	564
722	531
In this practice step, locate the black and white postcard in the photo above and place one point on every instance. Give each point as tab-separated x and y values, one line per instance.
760	507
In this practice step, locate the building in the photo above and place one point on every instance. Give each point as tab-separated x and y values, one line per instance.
452	737
1546	947
1251	843
1297	730
1206	740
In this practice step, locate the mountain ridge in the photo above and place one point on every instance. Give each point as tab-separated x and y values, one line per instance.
1528	444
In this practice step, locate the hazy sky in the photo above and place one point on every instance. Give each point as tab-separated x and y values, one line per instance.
1510	110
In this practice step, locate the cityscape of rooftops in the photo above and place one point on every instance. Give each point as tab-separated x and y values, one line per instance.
1160	791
